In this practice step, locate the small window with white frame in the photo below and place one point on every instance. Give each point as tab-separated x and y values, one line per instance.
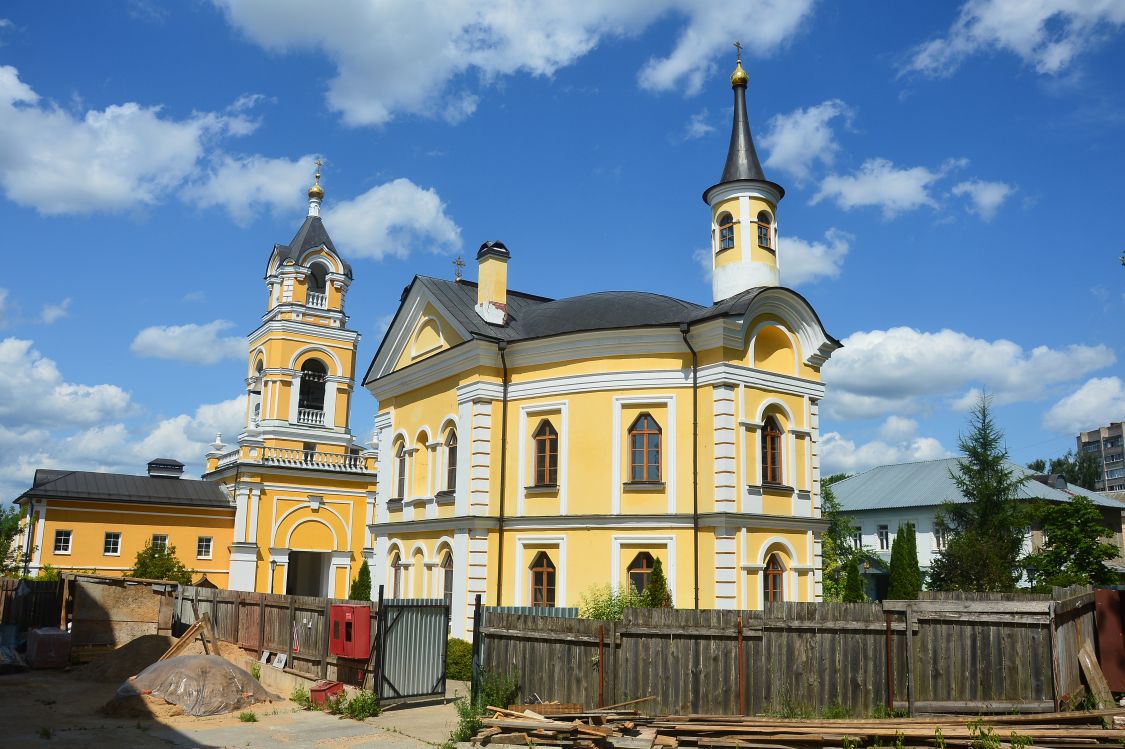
765	230
203	547
62	541
160	541
857	537
725	222
939	537
884	534
111	547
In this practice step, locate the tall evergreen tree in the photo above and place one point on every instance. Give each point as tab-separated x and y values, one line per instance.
361	586
906	577
656	594
853	587
985	534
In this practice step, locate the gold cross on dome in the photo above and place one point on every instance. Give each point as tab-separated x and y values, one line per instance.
458	264
319	164
738	46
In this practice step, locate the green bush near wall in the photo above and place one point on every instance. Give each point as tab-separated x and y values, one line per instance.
459	660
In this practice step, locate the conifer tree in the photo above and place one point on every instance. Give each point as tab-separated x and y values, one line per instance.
906	576
361	586
853	586
985	534
656	594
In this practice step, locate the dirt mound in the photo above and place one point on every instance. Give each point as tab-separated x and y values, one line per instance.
132	658
196	684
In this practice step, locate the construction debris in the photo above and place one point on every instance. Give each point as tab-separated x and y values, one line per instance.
198	684
625	729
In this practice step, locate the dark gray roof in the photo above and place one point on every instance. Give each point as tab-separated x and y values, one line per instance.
532	316
742	162
311	234
124	487
927	483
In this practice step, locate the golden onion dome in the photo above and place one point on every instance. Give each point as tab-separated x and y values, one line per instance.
316	192
739	77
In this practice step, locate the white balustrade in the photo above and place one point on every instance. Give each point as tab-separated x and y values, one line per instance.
314	299
312	416
227	458
318	460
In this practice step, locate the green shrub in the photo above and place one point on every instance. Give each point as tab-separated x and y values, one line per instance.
301	697
256	670
459	660
362	705
336	704
498	690
361	586
248	717
656	594
605	603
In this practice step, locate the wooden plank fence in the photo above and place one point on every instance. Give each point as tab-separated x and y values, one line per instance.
296	626
949	653
40	606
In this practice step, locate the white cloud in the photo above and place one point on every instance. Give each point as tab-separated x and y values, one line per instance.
186	437
393	219
801	138
192	343
898	428
107	160
52	313
33	392
1047	34
805	262
404	58
880	183
698	126
245	186
840	455
901	369
1098	402
985	197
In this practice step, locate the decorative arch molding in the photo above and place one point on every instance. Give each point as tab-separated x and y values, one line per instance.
302	521
802	320
323	254
415	352
771	544
257	355
793	341
449	422
418	546
279	524
395	547
780	405
424	430
444	546
338	370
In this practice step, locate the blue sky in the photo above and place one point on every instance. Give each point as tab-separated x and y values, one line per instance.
953	205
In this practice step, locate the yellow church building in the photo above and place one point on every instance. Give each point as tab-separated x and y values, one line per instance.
285	510
531	448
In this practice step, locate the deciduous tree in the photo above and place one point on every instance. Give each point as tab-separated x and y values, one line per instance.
160	563
1073	552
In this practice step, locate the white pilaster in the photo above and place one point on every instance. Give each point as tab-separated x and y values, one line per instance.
480	458
726	568
726	490
330	404
461	606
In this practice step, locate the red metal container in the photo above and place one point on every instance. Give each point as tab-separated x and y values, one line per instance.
48	647
322	690
349	630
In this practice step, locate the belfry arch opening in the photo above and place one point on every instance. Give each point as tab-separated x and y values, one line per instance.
310	401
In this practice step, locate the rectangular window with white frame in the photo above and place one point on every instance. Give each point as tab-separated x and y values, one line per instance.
203	547
62	541
160	541
884	533
857	537
939	538
111	547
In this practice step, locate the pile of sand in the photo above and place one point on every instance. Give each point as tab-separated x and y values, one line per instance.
132	658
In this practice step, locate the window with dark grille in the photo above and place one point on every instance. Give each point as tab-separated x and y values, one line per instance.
451	461
640	570
771	451
546	454
644	449
542	580
773	586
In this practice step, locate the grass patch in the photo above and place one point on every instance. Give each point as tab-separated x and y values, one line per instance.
301	697
248	717
496	689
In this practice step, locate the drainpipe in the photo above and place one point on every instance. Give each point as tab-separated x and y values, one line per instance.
502	347
685	328
31	522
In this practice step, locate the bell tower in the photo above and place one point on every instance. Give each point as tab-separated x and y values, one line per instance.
743	209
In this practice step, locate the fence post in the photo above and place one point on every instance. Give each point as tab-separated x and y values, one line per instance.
237	618
290	625
910	660
326	628
890	663
377	649
613	698
741	673
261	624
1053	638
478	649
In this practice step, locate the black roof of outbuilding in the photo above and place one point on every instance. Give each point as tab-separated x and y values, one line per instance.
123	487
311	234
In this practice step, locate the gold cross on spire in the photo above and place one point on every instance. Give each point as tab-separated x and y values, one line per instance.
738	46
319	164
458	264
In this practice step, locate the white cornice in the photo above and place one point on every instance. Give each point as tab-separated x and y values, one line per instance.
584	522
470	355
305	329
398	336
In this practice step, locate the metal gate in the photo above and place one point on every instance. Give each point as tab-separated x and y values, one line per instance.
411	641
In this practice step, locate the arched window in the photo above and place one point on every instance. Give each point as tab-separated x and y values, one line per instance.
256	394
726	230
773	588
771	451
546	455
451	461
640	570
765	229
310	400
644	449
318	278
400	471
447	576
542	580
396	575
